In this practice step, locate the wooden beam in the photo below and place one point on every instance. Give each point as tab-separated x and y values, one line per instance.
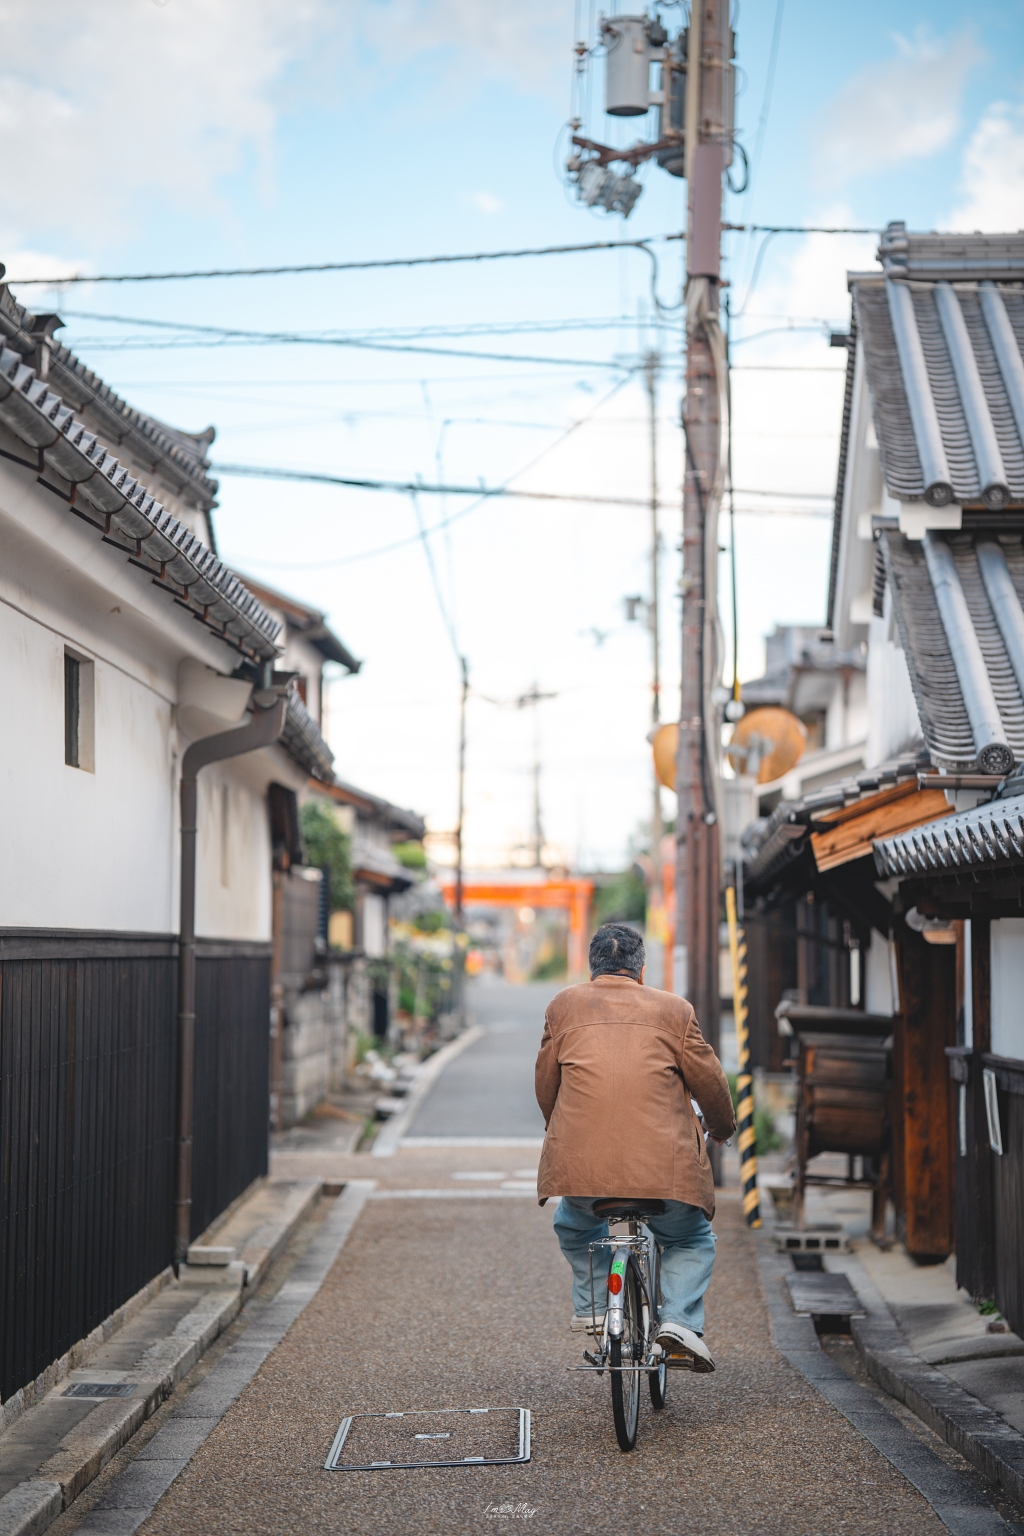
849	834
922	1120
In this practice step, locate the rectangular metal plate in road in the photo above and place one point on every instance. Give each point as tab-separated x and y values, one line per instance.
821	1294
100	1389
438	1437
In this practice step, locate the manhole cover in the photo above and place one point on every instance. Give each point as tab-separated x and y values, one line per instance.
437	1437
100	1389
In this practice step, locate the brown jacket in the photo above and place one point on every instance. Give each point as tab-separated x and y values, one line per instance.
617	1066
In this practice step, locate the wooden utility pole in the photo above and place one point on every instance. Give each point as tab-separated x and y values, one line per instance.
652	364
707	125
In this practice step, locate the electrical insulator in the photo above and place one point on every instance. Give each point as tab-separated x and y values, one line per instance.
628	54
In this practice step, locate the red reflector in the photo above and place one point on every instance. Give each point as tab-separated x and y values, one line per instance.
615	1284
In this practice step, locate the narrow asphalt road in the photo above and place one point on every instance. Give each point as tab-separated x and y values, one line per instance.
449	1293
487	1091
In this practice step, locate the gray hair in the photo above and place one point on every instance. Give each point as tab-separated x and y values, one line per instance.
617	947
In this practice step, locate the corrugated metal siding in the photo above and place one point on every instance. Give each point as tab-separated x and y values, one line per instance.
86	1146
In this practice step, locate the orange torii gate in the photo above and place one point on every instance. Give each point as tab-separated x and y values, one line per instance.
572	895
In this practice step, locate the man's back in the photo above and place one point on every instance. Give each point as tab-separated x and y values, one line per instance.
617	1067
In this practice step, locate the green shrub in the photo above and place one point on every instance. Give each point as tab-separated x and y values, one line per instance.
327	845
622	900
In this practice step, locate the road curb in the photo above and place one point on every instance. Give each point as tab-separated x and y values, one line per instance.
389	1136
982	1436
959	1506
29	1508
132	1497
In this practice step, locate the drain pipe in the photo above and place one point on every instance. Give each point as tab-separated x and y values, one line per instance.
269	709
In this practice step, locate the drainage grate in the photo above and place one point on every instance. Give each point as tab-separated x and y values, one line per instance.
100	1389
438	1437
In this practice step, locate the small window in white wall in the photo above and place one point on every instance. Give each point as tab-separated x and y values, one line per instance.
1008	987
79	711
225	834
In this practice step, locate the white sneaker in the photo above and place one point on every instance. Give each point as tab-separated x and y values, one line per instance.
678	1341
586	1324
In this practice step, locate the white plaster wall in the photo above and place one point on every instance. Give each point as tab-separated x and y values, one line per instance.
877	963
100	849
862	498
846	718
1008	987
893	721
81	849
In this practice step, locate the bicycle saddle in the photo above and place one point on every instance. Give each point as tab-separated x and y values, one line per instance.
624	1208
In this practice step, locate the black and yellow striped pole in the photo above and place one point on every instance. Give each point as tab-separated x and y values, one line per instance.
744	1081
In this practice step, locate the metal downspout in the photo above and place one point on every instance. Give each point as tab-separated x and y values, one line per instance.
263	729
1004	344
938	486
992	475
994	755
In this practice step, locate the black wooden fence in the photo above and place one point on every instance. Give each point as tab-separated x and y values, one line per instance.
87	1043
232	1104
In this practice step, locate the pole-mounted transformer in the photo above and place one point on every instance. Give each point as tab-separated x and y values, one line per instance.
631	46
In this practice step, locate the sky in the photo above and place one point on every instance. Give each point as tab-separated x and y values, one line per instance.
156	135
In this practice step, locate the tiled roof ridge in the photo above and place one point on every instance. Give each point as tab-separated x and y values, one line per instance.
156	542
301	737
780	839
992	833
166	439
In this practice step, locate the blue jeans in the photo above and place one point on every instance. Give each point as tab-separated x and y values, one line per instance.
685	1236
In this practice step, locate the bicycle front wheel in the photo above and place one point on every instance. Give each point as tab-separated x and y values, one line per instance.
627	1352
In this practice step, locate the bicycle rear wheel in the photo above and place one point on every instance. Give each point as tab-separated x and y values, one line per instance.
628	1352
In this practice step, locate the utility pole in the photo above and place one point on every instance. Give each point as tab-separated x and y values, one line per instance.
652	363
695	140
708	126
464	669
459	973
533	699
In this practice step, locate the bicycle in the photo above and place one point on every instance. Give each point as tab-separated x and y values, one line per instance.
627	1347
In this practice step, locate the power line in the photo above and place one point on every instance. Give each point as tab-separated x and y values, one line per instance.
226	335
481	492
298	268
803	229
336	266
418	488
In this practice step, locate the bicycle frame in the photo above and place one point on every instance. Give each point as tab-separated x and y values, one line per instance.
635	1251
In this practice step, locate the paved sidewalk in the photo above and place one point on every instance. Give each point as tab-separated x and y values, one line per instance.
464	1303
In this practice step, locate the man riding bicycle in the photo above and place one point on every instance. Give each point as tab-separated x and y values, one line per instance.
618	1065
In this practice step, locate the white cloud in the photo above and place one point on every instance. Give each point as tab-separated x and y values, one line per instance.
902	109
101	100
992	178
483	202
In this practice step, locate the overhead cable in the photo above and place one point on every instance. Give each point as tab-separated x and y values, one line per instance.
481	492
337	266
225	335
